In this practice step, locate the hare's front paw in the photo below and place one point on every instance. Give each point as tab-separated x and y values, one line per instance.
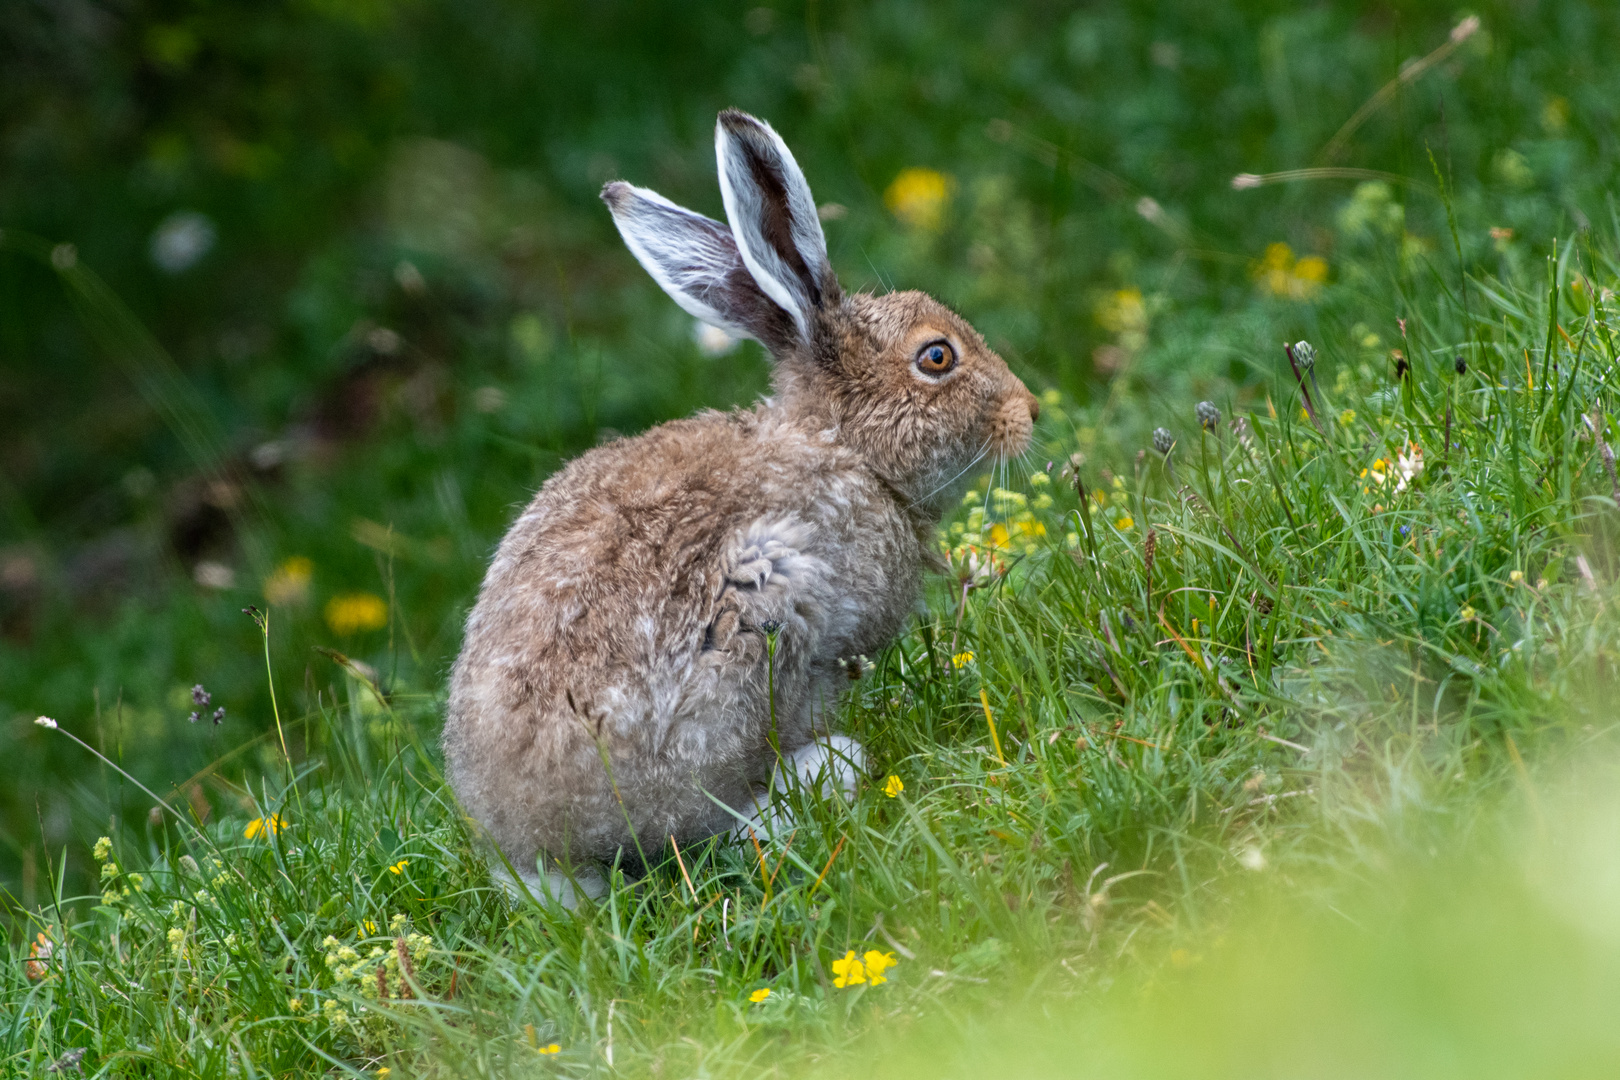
830	764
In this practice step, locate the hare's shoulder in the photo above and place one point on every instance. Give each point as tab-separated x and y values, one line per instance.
659	511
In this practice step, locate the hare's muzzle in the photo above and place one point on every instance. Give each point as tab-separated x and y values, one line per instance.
1014	422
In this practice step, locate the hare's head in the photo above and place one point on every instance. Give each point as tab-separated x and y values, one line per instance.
900	378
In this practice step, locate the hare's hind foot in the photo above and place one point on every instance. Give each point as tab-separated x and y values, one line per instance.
829	765
551	886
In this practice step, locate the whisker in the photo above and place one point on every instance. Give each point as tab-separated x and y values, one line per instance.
983	450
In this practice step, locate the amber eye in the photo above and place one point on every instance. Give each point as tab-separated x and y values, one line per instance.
936	358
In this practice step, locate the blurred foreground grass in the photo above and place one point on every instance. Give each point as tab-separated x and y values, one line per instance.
1486	948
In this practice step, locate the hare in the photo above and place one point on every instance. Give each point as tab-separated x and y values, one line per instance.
663	628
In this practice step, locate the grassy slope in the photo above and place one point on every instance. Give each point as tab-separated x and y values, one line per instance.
298	131
1368	667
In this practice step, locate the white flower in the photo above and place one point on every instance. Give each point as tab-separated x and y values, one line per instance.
46	722
1408	465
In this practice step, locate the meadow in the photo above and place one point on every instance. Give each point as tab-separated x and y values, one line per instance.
1260	725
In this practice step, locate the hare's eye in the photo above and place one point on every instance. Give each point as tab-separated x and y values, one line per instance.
936	358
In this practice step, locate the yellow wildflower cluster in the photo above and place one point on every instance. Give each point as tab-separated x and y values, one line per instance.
760	995
354	612
110	873
1279	273
1009	524
854	970
918	197
1124	313
893	786
380	972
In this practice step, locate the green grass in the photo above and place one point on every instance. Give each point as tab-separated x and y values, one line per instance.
1323	792
1368	672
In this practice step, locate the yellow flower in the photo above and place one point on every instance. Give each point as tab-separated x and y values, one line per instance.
356	611
1122	312
551	1048
289	585
962	659
1124	522
849	971
399	867
1280	274
270	826
918	196
893	786
103	849
1347	417
1517	577
369	926
760	995
1467	613
998	535
383	1071
876	964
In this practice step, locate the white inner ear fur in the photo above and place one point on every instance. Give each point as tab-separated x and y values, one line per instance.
746	209
689	255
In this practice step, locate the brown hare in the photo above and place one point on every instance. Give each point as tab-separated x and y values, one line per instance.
663	628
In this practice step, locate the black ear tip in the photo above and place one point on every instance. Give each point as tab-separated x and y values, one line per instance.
736	121
615	193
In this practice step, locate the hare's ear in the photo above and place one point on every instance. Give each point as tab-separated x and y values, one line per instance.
695	260
773	217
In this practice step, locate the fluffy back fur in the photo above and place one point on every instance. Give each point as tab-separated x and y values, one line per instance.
612	687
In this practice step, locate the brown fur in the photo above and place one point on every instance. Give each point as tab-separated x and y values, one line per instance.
614	672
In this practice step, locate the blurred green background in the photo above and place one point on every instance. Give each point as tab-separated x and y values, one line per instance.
367	235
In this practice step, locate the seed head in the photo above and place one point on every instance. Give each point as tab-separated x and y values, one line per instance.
1209	417
1462	365
1163	441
